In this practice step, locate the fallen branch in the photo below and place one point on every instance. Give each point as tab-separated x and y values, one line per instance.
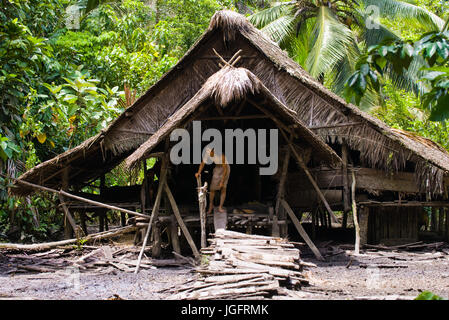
50	245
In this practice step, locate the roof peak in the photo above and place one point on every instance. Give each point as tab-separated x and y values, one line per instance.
230	22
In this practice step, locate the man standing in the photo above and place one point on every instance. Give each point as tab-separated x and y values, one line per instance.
220	177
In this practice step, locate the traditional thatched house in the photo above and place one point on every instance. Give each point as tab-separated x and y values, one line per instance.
397	175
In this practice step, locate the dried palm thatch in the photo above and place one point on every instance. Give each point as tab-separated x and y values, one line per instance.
233	85
379	145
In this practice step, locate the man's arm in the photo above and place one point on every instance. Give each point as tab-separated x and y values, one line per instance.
200	169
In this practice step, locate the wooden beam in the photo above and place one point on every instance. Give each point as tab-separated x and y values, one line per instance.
181	223
95	203
301	230
367	178
337	125
404	203
244	117
273	118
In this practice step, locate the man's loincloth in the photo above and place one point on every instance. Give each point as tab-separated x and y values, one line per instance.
217	177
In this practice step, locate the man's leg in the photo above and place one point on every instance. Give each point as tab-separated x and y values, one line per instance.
211	201
222	199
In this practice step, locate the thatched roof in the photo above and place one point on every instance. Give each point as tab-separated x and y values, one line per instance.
234	85
379	145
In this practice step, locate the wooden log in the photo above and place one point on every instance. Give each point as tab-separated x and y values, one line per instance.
301	231
50	245
181	223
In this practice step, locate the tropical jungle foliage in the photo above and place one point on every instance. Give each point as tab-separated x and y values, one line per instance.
65	66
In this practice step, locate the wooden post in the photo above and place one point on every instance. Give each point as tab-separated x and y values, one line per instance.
155	211
69	218
280	214
447	223
314	222
346	191
301	230
82	216
433	220
364	215
275	225
68	229
102	213
312	181
181	223
354	214
440	221
156	248
174	235
202	203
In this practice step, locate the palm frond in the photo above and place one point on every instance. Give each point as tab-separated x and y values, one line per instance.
267	16
281	28
407	10
328	41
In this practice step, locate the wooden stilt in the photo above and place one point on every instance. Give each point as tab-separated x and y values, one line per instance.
363	215
314	222
82	216
202	203
440	221
346	191
174	235
155	211
354	214
68	229
100	220
280	214
301	230
275	225
156	248
433	222
181	222
447	223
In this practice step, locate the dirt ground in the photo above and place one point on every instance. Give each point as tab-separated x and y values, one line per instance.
379	275
371	275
